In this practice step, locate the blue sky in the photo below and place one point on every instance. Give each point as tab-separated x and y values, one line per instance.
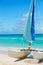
14	15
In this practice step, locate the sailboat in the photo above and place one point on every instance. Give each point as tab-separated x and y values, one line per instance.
28	35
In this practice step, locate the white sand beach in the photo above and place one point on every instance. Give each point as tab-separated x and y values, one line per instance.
6	60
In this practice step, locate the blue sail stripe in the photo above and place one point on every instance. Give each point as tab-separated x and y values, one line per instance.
32	25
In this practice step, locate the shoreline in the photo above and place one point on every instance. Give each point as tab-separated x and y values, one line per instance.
14	48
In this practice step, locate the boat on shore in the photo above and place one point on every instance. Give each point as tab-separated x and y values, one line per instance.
28	35
18	53
37	55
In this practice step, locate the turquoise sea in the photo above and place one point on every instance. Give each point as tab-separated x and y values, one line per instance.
15	40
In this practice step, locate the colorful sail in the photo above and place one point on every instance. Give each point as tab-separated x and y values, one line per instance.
29	30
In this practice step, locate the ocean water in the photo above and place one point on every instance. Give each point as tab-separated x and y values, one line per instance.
16	40
38	42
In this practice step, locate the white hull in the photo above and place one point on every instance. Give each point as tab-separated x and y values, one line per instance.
37	55
18	54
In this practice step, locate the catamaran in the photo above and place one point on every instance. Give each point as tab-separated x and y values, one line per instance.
28	35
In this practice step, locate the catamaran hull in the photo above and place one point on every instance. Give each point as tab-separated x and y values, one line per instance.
37	55
16	54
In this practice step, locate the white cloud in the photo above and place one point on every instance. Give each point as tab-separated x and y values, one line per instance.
24	19
26	14
6	28
41	28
